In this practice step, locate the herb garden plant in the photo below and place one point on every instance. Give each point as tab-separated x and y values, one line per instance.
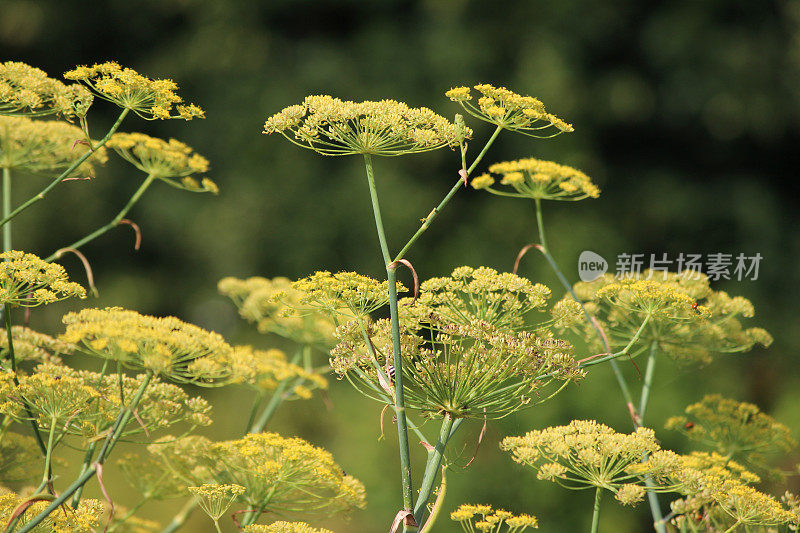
471	344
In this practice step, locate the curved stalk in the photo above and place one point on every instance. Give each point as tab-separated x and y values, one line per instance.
596	512
66	173
115	221
432	468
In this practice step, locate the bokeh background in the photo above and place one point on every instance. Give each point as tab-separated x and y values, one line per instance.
687	114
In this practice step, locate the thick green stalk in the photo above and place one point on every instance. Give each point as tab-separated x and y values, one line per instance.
87	461
66	173
432	468
461	181
596	512
116	432
623	384
6	208
47	475
648	380
115	221
399	400
652	497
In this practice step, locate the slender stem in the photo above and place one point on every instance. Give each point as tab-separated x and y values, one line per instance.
46	476
652	497
6	208
399	400
181	517
596	513
432	468
734	526
277	397
621	381
433	214
115	221
620	353
87	460
648	380
66	173
116	432
216	525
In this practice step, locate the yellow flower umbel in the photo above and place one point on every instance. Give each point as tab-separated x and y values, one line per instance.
85	518
280	475
538	180
165	346
150	99
256	300
343	294
510	111
170	161
43	146
331	126
686	319
501	299
215	499
464	371
734	429
474	518
30	345
28	281
28	91
283	527
586	454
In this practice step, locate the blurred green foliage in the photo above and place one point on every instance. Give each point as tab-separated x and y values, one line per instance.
686	113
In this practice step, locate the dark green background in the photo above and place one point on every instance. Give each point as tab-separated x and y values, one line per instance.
686	114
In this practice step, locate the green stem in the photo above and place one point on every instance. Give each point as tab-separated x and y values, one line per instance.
652	497
216	525
87	460
46	476
6	208
66	173
180	519
115	221
399	400
734	526
621	381
433	214
277	397
116	432
432	468
648	380
596	513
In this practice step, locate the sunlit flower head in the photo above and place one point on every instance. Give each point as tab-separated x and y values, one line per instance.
28	281
171	161
85	518
283	527
151	99
29	91
538	180
32	346
465	371
215	498
344	294
165	346
331	126
509	110
44	147
473	518
255	297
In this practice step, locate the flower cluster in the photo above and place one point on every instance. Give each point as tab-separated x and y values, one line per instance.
164	160
150	99
466	371
28	281
686	319
256	300
82	519
283	527
165	346
215	499
43	146
331	126
509	110
26	90
345	294
279	475
587	454
30	345
538	180
734	429
474	518
468	294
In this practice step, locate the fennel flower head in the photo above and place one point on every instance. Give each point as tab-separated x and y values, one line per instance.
28	281
215	498
687	320
29	91
148	98
473	518
509	110
271	305
44	146
85	518
283	527
169	161
586	454
331	126
738	429
164	346
279	474
463	371
538	180
30	345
